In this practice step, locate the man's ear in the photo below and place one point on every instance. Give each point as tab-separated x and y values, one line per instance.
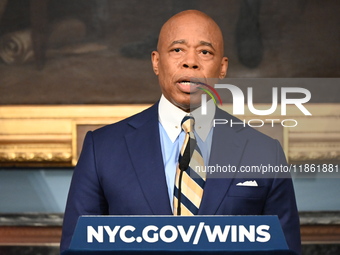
155	61
224	67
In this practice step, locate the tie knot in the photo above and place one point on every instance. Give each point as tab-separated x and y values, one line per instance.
188	123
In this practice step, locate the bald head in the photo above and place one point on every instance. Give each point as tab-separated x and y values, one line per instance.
190	45
187	20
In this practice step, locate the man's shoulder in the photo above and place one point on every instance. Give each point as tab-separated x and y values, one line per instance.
240	126
149	115
258	147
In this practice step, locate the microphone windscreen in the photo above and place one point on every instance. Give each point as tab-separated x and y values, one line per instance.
185	159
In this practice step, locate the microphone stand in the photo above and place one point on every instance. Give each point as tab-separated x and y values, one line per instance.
184	161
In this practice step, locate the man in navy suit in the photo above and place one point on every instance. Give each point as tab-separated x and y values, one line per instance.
128	168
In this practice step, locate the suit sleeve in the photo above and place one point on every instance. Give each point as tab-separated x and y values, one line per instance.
281	201
85	196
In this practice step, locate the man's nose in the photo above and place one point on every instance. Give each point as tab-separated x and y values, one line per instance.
191	61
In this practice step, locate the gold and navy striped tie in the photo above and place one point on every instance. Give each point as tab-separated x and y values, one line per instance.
189	184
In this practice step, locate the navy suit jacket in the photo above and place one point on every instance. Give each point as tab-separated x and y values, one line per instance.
121	172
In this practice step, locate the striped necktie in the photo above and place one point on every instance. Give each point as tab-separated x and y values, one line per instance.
188	183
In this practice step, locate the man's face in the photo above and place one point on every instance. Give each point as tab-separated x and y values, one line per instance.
190	46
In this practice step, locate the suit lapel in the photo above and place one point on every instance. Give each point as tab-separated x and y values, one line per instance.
227	149
145	152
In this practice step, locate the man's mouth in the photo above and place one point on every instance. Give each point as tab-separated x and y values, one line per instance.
188	86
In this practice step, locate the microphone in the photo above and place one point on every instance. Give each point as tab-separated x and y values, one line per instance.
183	166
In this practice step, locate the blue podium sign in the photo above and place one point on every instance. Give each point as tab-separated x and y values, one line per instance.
178	234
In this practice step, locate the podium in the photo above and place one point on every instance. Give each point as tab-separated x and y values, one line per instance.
178	235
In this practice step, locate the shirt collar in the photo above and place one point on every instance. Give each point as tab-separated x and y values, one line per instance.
170	117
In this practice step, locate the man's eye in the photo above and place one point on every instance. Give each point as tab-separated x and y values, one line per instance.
177	50
205	52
